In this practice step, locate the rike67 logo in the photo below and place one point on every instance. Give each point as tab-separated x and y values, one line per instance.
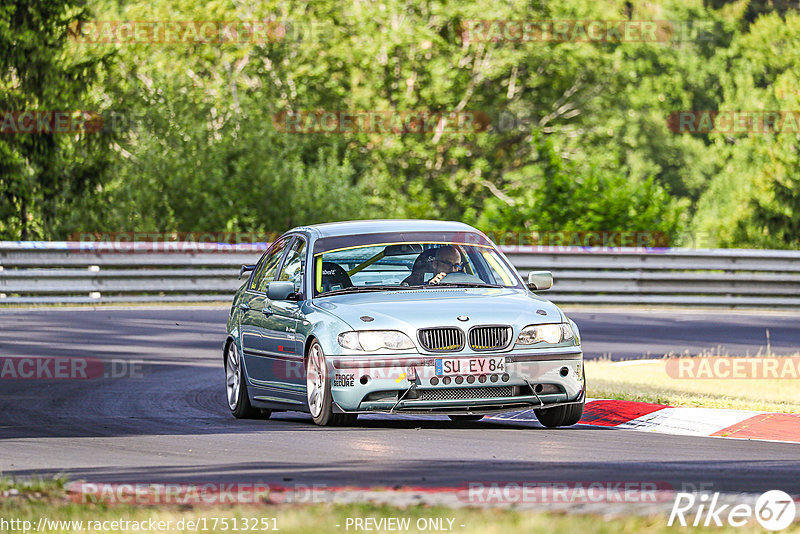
774	510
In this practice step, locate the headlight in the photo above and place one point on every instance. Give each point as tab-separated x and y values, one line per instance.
549	333
372	340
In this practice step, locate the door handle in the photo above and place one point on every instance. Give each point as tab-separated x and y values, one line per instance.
244	307
267	311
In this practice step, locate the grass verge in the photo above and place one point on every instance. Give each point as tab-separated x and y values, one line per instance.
649	381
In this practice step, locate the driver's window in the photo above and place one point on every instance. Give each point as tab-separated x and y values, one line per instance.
294	266
269	265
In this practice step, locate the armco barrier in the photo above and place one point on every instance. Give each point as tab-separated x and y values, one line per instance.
62	272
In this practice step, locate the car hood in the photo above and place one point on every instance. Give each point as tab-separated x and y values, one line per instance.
409	310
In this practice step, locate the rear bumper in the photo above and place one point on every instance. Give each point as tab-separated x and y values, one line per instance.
531	380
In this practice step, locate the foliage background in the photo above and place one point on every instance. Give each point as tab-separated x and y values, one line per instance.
579	138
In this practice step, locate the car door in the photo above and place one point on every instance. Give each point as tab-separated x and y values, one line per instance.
287	348
255	324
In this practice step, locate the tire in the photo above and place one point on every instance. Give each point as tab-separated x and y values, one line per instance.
462	418
560	415
236	387
318	391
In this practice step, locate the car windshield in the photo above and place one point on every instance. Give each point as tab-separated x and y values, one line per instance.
392	266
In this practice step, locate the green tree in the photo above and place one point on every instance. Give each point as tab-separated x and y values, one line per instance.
588	147
753	200
42	174
552	195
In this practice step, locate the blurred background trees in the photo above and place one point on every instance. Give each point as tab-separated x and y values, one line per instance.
42	176
578	140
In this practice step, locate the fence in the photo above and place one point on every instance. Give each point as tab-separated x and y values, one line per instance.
61	272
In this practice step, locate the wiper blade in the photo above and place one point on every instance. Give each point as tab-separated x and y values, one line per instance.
454	284
360	289
467	284
383	288
368	289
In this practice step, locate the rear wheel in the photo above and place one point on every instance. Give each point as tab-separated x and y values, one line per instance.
470	417
560	415
236	387
318	390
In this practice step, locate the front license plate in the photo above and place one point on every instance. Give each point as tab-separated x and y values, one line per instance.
469	366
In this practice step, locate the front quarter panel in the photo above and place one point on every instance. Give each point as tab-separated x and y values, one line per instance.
323	325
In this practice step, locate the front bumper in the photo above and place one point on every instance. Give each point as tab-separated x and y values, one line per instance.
402	383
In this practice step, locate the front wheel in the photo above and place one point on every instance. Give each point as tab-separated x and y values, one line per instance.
318	391
560	415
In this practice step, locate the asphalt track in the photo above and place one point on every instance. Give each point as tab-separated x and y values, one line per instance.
169	422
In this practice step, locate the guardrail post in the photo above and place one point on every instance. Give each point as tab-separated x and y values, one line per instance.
94	294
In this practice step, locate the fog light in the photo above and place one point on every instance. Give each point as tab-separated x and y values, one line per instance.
493	378
446	380
434	381
471	379
482	379
505	377
459	380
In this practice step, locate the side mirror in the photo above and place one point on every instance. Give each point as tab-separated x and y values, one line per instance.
540	280
280	290
245	269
